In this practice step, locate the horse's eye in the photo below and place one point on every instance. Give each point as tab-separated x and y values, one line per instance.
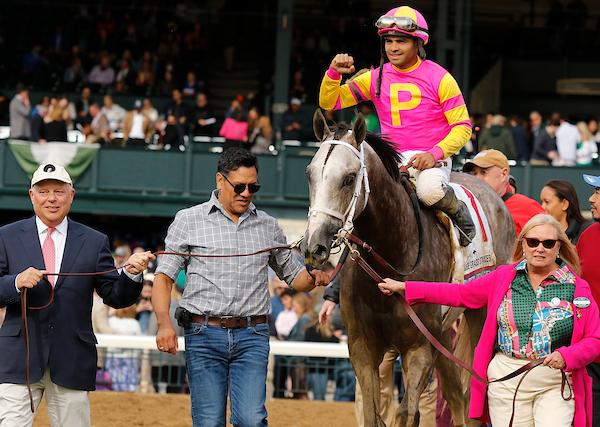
349	180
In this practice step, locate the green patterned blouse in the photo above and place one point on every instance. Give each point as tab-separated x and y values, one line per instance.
532	324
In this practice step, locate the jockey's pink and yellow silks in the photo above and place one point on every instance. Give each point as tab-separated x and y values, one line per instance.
420	108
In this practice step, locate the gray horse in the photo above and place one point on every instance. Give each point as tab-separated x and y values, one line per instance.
377	323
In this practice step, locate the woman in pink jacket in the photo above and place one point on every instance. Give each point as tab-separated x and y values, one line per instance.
537	308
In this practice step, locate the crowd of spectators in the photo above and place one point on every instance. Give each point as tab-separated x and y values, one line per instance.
124	49
126	369
106	122
551	140
294	318
541	141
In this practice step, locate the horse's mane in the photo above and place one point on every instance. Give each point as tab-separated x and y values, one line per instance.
383	148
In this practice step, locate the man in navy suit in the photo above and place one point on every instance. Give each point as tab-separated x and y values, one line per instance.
62	362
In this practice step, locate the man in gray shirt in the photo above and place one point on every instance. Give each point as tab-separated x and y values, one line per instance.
226	300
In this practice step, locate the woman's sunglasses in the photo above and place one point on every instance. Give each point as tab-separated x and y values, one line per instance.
240	188
534	243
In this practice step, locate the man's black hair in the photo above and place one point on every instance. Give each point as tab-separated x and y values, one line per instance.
235	158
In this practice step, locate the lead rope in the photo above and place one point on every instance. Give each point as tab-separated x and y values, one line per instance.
356	257
24	291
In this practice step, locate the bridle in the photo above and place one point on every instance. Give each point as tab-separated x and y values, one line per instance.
346	238
345	235
362	178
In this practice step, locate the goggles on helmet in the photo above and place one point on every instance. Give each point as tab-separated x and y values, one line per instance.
401	22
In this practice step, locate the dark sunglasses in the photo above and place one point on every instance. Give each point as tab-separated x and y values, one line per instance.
534	243
240	188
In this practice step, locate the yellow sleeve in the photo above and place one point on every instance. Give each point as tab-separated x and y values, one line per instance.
455	140
456	114
333	96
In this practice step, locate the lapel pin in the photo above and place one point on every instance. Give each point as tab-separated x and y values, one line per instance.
581	302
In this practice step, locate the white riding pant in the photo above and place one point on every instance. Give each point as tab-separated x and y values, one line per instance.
431	183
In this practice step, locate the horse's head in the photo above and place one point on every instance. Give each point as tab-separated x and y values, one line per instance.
337	182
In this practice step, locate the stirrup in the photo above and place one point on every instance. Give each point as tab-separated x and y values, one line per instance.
467	238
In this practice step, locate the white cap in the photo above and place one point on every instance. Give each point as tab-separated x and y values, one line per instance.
50	171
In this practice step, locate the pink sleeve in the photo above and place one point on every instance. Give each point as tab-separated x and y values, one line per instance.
473	294
332	74
437	152
587	349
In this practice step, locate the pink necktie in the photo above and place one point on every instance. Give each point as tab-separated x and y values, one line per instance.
49	253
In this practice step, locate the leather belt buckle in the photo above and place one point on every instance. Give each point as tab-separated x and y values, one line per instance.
227	322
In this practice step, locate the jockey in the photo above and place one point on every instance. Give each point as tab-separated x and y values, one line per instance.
419	104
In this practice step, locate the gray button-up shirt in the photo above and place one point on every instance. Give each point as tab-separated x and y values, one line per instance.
235	286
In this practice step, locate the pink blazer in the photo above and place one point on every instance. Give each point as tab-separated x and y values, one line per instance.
488	291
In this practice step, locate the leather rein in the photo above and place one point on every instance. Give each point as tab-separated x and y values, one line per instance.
346	237
24	292
525	369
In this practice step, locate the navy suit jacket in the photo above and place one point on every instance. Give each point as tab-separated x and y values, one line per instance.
61	336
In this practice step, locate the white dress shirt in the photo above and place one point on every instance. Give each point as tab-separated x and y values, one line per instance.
59	236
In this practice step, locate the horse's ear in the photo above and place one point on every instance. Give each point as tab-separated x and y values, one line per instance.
359	130
320	125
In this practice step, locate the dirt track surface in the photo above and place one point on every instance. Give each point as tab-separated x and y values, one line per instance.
111	409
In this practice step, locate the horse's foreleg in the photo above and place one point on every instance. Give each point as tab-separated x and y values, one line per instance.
417	366
366	367
452	389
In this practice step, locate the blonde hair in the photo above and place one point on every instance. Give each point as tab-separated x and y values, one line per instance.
304	301
567	251
584	131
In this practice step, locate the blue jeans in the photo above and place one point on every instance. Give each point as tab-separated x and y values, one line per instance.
345	381
219	359
317	381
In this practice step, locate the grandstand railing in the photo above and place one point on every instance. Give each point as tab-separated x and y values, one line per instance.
316	370
278	348
127	181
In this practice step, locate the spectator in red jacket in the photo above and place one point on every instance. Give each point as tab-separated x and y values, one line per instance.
587	247
492	167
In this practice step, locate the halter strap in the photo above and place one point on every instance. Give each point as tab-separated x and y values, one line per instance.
348	216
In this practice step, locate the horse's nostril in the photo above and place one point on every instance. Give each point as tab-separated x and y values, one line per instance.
320	251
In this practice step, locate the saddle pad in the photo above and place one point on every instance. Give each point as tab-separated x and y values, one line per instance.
478	257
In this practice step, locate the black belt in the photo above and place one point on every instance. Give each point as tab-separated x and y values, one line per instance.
230	322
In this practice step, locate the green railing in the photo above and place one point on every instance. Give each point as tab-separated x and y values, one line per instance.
157	183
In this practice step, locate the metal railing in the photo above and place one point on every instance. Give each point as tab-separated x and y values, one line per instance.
296	369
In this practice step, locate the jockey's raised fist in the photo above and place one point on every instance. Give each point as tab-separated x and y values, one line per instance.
343	63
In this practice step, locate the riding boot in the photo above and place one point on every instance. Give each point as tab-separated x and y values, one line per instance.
458	211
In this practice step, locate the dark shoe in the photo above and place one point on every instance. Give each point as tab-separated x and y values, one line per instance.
464	222
458	211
